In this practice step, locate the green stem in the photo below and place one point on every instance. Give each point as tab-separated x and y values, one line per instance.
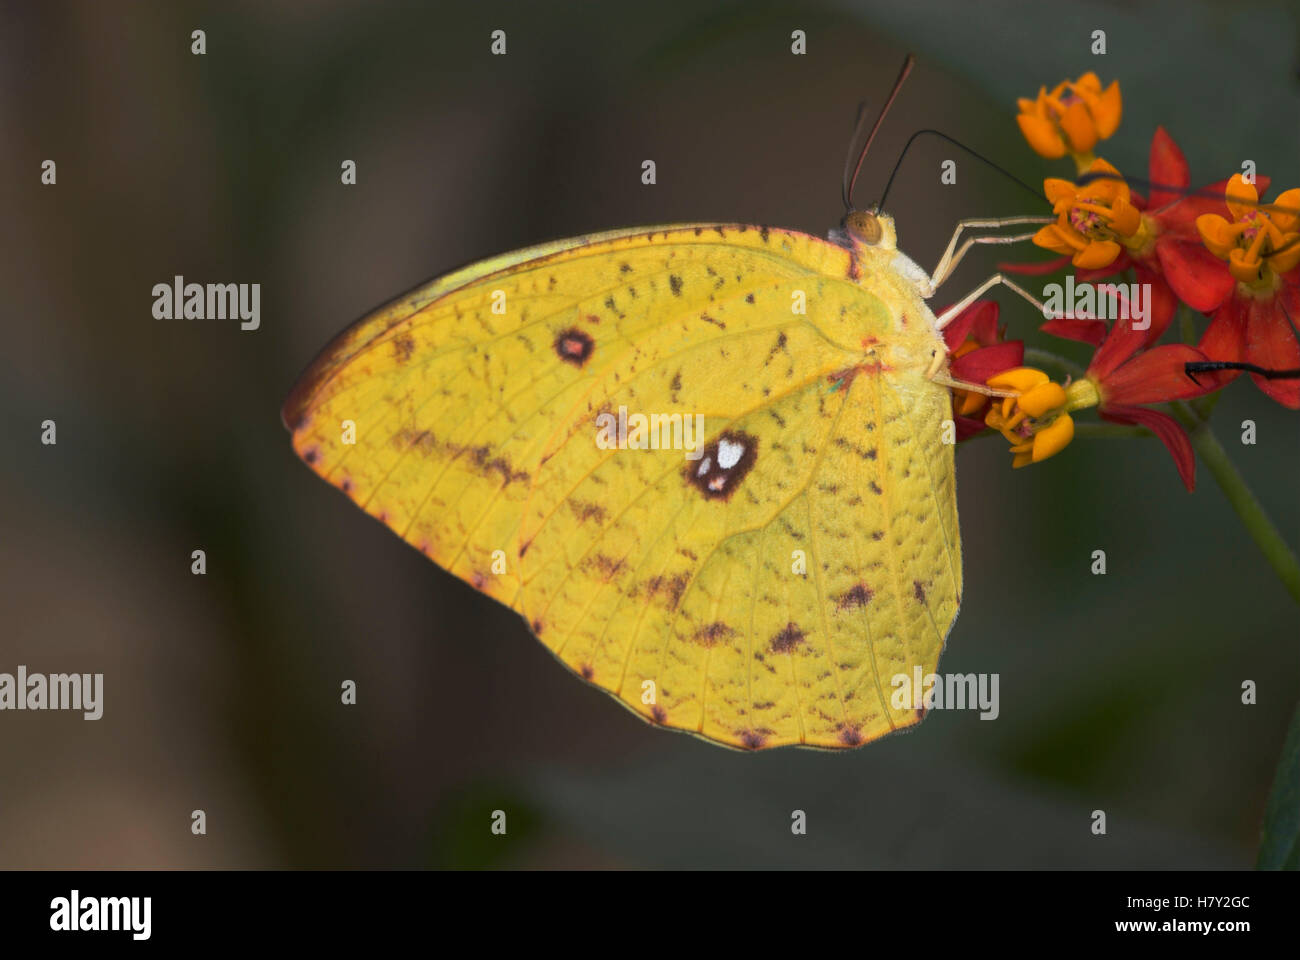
1109	431
1186	324
1248	508
1037	357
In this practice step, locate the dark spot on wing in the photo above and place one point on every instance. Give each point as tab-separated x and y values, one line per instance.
710	477
574	346
708	635
789	638
421	440
671	588
483	459
752	739
918	590
607	566
403	347
657	714
850	736
675	282
859	596
587	511
781	341
586	671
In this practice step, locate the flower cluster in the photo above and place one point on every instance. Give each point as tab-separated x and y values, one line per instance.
1217	250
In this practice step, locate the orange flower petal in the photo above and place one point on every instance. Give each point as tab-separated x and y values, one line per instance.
1097	254
1109	188
1108	110
1057	190
1217	234
1244	265
1241	197
1042	136
1286	222
1053	438
1051	237
1040	399
1079	129
1125	218
1018	378
1289	258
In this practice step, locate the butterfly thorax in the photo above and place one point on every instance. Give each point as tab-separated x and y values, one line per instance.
914	340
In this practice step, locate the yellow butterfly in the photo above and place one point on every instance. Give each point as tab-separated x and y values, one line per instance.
760	588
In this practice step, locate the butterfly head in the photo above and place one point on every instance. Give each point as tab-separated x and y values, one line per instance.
871	229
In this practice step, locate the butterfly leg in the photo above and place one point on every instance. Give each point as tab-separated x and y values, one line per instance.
947	317
953	255
939	375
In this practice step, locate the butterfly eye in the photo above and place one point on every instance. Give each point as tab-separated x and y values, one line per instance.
863	225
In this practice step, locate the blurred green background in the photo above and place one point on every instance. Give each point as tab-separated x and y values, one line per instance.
1119	693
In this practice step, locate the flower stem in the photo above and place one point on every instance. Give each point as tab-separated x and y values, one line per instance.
1248	508
1047	358
1108	431
1186	324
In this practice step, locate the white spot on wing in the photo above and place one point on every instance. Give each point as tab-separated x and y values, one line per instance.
729	453
704	466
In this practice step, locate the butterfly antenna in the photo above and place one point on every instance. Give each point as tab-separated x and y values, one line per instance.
848	156
1210	366
851	180
1036	194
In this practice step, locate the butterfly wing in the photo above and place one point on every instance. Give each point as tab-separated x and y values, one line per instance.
762	594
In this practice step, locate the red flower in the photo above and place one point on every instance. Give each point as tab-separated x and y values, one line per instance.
1254	322
977	352
1165	251
1125	377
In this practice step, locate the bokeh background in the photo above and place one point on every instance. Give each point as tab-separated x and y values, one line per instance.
1119	693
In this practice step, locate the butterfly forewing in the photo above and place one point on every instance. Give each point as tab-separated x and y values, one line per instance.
763	593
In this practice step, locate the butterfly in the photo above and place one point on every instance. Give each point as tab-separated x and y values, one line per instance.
764	587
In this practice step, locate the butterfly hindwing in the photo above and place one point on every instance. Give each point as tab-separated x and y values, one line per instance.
676	584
